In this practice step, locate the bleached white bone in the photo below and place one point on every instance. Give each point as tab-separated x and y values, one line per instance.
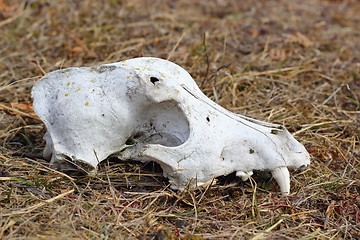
244	175
149	109
282	177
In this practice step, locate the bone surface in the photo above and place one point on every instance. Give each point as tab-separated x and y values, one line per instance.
149	109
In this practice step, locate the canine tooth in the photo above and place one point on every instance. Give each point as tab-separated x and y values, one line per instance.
282	177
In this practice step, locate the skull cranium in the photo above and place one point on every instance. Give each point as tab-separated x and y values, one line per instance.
149	109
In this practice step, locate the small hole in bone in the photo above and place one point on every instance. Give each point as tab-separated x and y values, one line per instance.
138	135
251	151
208	119
134	138
154	80
130	141
274	131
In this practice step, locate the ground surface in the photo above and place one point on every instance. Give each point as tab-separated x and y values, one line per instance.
295	63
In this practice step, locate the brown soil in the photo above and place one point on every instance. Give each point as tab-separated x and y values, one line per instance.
295	63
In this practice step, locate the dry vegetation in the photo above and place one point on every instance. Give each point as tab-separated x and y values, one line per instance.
291	62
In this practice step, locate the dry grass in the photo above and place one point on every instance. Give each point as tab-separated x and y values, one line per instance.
290	62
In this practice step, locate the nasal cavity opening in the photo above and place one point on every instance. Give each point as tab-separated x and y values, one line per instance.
153	80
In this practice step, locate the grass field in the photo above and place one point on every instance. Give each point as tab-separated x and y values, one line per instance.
295	62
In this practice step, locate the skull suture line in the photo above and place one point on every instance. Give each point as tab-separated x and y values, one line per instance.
149	109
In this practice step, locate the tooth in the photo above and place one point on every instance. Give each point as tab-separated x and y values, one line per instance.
244	175
282	177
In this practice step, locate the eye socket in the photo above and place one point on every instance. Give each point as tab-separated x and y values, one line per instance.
154	80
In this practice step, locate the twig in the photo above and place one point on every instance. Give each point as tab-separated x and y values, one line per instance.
308	126
36	206
207	61
28	155
15	111
262	235
176	45
37	64
195	211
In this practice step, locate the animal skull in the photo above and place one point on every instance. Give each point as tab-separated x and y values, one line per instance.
149	109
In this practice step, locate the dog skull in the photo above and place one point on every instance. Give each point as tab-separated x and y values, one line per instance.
149	109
